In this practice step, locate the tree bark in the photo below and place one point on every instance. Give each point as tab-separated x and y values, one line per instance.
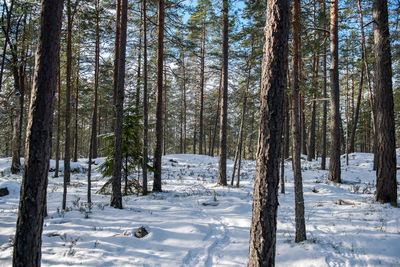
265	196
386	184
116	197
159	99
27	242
334	162
296	128
224	102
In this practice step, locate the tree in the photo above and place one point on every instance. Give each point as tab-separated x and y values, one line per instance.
116	197
296	136
334	162
27	242
265	197
96	81
159	99
224	102
145	97
386	184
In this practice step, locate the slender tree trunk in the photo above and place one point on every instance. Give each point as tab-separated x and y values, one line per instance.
116	197
240	137
315	65
217	115
58	123
357	111
386	184
96	81
145	97
184	102
334	162
16	141
139	65
202	55
9	13
298	183
324	105
224	106
27	241
116	57
165	113
67	155
76	110
265	196
159	99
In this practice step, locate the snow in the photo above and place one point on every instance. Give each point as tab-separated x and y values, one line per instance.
188	228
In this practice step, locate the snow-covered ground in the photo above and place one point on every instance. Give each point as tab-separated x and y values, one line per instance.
185	231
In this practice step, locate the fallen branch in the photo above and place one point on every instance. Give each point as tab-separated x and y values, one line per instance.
347	202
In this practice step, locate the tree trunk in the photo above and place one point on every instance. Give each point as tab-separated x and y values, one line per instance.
184	102
240	137
96	81
139	64
116	197
386	184
145	97
334	162
67	155
116	58
165	121
217	115
357	111
296	128
324	105
76	110
159	99
9	13
224	102
315	66
27	241
202	55
58	123
265	197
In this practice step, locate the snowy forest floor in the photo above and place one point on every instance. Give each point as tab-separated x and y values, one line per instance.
185	232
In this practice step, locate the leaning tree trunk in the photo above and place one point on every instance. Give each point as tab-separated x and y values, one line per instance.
386	184
27	241
116	197
224	102
334	162
265	197
296	128
159	100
